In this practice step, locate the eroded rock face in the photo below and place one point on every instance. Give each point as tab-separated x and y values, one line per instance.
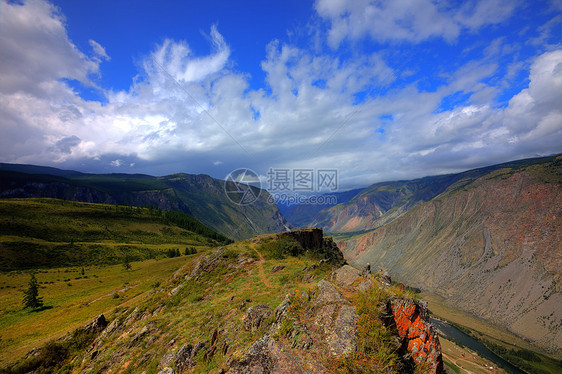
256	316
265	356
183	359
329	294
416	333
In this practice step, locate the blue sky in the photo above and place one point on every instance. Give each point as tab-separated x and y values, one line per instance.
379	90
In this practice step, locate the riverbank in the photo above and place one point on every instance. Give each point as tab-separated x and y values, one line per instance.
504	344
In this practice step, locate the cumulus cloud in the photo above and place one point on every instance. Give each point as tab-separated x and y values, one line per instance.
404	20
36	49
193	113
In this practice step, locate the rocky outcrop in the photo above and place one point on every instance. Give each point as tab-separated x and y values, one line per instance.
307	332
309	239
265	356
417	335
256	316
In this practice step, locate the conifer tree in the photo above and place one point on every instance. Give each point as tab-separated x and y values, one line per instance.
31	297
126	263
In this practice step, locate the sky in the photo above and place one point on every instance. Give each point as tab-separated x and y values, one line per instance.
377	90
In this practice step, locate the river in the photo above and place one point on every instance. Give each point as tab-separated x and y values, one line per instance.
456	335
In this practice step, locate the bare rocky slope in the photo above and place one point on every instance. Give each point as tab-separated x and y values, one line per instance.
491	247
225	313
365	209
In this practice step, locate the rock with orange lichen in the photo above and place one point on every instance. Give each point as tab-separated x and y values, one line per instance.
416	333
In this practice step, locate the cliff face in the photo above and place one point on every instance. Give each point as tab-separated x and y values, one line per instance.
492	248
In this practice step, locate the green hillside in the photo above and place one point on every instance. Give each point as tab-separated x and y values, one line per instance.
200	196
44	233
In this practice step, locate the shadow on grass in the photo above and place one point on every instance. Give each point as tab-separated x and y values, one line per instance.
44	307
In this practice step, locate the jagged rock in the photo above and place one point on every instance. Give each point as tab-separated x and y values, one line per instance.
281	309
199	346
224	348
366	271
309	239
306	269
277	268
329	294
265	355
346	276
242	261
385	279
166	360
333	252
339	325
206	264
159	308
210	353
139	335
325	315
184	359
300	336
167	370
343	338
214	337
99	323
175	290
256	316
133	317
416	333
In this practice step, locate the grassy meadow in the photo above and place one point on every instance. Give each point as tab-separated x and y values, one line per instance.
77	252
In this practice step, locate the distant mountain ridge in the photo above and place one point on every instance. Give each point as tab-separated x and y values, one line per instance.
198	195
383	202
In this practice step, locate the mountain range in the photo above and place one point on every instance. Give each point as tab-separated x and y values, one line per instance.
200	195
487	240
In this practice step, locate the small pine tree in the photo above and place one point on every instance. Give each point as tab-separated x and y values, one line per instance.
82	271
177	253
126	263
31	297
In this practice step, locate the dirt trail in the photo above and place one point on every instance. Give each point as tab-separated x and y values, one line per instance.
260	269
114	292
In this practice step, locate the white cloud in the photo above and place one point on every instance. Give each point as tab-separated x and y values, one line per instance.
536	109
307	116
177	60
405	20
99	50
36	49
